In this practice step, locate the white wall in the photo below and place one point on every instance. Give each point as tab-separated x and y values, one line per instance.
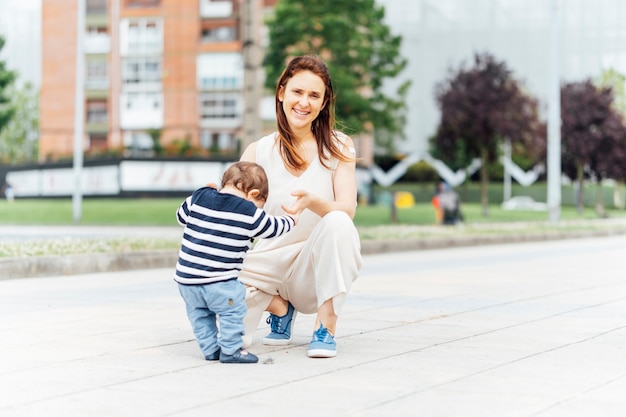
440	34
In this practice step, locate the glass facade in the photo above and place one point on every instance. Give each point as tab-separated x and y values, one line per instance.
439	35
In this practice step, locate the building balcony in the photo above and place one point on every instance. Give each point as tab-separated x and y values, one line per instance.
97	43
97	84
96	126
221	123
216	8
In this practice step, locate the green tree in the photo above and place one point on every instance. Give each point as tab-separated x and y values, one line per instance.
480	107
18	139
617	82
360	51
6	80
592	134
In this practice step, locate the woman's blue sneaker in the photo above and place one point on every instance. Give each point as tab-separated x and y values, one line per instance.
323	344
280	328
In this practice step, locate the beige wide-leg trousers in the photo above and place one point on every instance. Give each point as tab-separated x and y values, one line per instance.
307	273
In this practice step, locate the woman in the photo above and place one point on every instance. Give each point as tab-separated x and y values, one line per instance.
311	172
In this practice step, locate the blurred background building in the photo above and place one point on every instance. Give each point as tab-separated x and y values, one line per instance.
174	69
439	35
166	71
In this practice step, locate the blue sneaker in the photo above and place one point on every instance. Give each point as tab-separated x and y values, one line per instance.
280	334
323	344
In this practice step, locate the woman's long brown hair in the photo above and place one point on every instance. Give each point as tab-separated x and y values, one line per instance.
323	126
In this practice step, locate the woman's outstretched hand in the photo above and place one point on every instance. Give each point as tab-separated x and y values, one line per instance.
301	201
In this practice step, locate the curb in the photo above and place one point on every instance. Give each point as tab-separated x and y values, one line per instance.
43	266
387	246
58	265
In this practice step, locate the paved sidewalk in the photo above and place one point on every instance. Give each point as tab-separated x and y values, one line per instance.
527	329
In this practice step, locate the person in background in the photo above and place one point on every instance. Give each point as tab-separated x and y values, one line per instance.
311	168
437	205
220	227
447	205
8	192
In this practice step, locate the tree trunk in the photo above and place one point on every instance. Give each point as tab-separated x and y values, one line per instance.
579	197
618	195
394	210
600	201
484	181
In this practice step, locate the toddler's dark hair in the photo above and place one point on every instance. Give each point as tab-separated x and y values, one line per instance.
246	176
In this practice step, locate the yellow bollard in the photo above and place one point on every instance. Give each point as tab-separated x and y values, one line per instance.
404	199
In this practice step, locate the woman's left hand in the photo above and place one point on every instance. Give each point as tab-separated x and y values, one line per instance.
303	199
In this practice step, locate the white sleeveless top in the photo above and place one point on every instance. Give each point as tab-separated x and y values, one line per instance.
316	179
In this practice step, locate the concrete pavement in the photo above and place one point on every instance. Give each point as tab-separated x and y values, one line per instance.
526	329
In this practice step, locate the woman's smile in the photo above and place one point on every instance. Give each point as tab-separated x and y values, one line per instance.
303	99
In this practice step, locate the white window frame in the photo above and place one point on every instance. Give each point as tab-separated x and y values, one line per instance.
223	139
219	71
220	105
97	74
141	36
97	111
219	34
137	74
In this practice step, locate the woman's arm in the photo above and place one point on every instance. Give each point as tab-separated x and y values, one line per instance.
344	187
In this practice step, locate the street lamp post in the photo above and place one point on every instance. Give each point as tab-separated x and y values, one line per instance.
79	114
554	120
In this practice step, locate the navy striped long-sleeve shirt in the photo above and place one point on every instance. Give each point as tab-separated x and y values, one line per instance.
219	230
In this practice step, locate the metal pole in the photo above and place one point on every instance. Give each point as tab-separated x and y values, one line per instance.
554	120
79	114
252	56
507	175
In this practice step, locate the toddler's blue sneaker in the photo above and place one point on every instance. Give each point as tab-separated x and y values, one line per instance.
322	345
280	328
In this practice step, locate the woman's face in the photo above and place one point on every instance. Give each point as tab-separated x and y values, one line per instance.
302	99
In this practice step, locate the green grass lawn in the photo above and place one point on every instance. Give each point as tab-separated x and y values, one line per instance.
373	222
161	212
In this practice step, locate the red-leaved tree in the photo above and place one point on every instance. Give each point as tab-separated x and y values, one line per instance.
480	107
593	136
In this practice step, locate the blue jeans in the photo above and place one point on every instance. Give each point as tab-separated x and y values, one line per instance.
227	301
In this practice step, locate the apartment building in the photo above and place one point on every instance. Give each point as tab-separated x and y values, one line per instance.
166	69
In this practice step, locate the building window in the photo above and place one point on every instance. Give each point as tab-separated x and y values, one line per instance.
219	34
97	31
141	110
97	111
138	140
141	70
141	3
96	6
143	101
141	37
218	141
216	8
219	105
220	71
97	77
97	40
97	142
